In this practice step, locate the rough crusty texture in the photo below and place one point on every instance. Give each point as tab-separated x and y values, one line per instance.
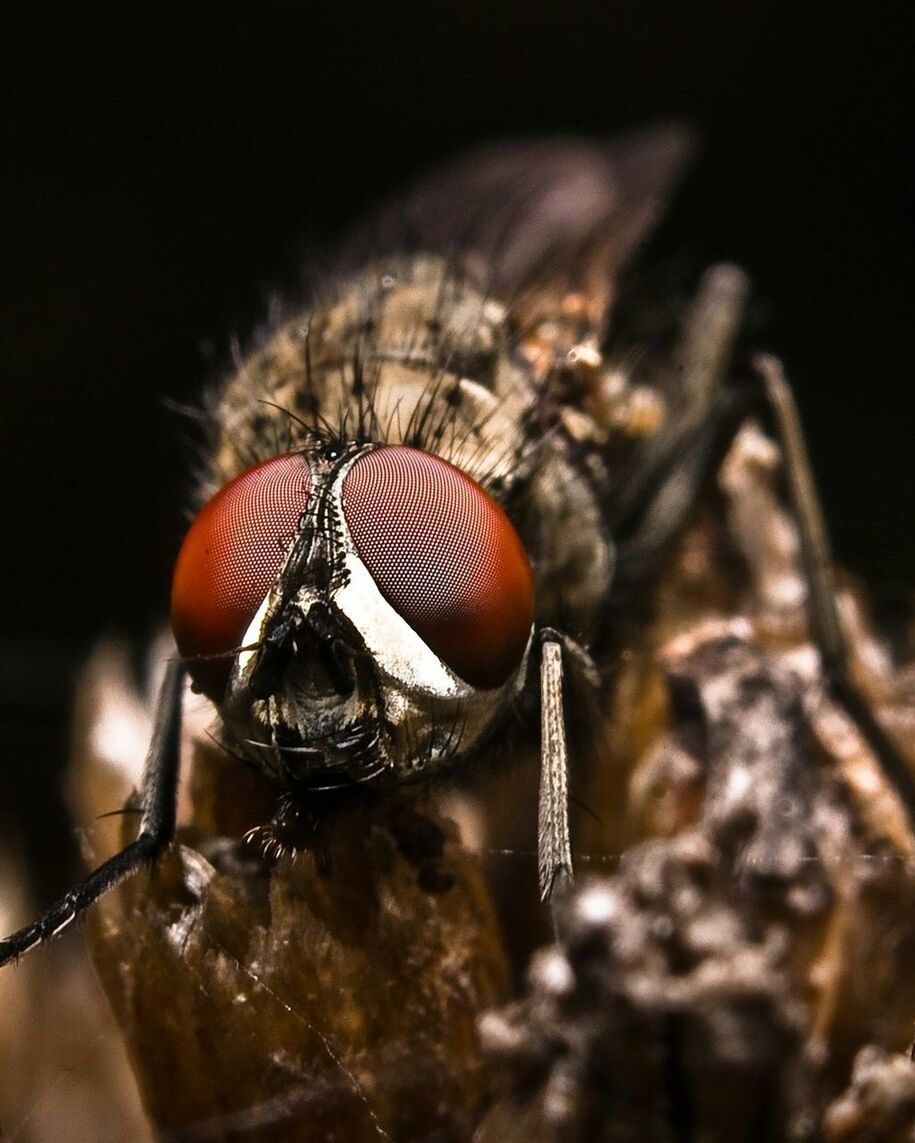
718	984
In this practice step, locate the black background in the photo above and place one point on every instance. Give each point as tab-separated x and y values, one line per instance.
167	165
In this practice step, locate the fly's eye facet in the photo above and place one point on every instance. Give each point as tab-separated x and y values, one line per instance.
229	560
446	558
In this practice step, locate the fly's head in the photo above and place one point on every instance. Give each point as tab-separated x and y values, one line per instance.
355	611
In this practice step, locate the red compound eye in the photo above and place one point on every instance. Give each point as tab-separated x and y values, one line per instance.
230	558
445	556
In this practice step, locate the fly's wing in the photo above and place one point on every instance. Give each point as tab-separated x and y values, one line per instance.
540	222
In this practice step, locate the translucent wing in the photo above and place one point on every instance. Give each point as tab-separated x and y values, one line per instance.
538	221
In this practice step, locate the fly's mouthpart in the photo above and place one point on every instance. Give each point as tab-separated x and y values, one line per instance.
334	651
271	657
312	638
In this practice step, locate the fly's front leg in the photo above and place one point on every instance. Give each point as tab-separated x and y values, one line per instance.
816	556
554	854
157	825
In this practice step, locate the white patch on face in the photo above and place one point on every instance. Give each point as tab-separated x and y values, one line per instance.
252	637
396	648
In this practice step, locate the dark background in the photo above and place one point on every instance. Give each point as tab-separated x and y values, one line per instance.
167	165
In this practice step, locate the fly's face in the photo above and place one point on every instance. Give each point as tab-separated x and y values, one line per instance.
383	603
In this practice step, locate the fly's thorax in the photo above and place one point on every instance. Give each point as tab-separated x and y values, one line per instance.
402	353
345	674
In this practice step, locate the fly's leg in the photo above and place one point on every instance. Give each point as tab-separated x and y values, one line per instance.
818	569
703	416
707	345
157	825
558	654
554	853
671	493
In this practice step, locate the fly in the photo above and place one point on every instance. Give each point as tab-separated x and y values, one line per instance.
471	483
